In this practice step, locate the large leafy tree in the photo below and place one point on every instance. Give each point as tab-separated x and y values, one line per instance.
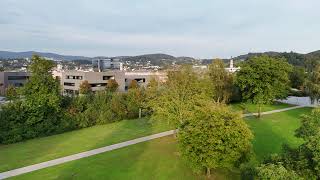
221	81
214	137
262	79
178	95
42	99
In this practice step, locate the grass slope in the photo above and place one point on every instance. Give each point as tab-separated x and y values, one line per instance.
43	149
157	159
273	130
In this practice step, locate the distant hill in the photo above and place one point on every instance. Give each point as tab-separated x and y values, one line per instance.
157	59
314	53
28	54
293	58
160	59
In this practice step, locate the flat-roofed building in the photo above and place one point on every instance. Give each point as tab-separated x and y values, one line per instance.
71	80
143	77
16	79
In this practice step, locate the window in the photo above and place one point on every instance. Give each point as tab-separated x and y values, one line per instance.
18	84
107	77
98	84
17	77
74	77
68	84
140	80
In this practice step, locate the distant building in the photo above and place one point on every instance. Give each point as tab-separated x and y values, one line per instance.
16	79
71	80
231	68
143	77
101	65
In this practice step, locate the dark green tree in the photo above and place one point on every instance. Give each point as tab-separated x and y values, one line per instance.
263	79
213	136
42	100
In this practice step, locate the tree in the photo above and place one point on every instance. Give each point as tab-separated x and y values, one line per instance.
133	84
313	84
221	81
11	92
134	102
85	87
297	77
262	79
213	137
178	95
276	172
310	125
151	92
42	100
112	85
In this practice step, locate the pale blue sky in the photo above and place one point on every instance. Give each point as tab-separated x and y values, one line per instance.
202	28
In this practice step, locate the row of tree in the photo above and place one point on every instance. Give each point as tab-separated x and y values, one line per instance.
41	110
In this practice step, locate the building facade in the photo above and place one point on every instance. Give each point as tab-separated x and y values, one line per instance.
143	77
71	80
16	79
101	65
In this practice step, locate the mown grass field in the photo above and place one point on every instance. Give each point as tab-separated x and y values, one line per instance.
157	159
47	148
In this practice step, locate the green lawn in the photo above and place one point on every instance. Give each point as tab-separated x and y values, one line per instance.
272	130
43	149
157	159
252	108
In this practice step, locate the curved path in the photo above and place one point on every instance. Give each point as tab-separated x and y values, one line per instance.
65	159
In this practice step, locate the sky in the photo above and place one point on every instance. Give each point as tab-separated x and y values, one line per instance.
197	28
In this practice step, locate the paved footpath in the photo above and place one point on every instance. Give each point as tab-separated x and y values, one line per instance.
65	159
275	111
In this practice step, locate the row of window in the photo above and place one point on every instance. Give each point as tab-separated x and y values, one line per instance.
74	77
18	77
81	77
139	80
92	85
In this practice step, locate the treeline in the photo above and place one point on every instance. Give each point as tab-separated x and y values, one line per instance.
41	110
